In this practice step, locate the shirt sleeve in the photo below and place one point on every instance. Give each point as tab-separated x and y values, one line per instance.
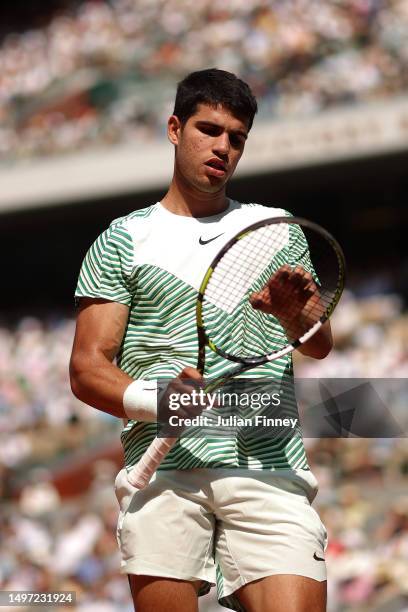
107	267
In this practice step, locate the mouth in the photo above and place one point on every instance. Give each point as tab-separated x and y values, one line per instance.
216	167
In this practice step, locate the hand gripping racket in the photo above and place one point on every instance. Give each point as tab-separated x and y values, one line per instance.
294	265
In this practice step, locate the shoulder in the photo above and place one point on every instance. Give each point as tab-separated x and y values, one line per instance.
252	212
123	223
123	228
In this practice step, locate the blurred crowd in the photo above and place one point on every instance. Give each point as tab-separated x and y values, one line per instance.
36	399
363	502
50	543
105	72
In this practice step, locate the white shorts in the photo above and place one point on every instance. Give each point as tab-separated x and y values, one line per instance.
224	526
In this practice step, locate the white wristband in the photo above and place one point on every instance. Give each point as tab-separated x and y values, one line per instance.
140	400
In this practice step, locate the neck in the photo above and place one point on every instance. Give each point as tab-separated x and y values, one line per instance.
186	200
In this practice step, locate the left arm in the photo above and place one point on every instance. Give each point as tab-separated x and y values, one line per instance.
320	344
291	295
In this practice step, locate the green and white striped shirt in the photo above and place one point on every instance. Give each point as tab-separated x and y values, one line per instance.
153	261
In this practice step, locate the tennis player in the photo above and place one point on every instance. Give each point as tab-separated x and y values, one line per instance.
215	512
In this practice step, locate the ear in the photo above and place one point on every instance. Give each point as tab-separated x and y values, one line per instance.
173	129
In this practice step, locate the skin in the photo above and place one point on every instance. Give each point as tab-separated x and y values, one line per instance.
296	287
213	132
95	380
195	190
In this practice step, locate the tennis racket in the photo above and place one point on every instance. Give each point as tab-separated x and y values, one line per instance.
267	292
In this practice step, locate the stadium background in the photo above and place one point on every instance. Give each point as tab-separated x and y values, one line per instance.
85	90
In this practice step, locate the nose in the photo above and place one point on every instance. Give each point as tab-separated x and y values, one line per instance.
222	144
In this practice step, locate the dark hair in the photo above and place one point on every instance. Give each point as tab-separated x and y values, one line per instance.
213	87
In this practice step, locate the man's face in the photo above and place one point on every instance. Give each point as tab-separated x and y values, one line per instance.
208	147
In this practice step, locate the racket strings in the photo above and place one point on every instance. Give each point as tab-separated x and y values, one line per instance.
244	269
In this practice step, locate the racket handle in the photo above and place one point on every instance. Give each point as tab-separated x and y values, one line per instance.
140	475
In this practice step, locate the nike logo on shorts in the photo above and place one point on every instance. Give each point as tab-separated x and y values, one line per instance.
316	558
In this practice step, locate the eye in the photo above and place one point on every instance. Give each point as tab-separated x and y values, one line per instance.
210	130
237	141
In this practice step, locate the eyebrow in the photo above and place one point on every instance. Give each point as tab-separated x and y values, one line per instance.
212	124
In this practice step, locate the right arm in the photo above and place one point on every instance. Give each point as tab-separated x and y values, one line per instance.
95	380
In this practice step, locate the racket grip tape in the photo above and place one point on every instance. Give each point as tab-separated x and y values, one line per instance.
140	475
